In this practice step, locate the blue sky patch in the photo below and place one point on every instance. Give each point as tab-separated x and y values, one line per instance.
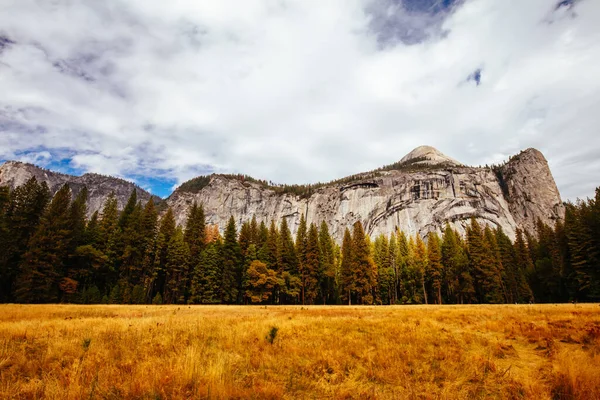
475	76
157	185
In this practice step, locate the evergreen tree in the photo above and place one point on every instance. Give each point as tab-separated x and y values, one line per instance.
254	232
4	239
261	239
435	269
245	238
363	269
195	231
327	272
232	264
459	279
157	281
394	268
110	234
545	279
312	263
43	265
402	265
583	235
149	229
131	251
88	260
496	292
270	248
178	254
25	207
523	265
419	266
385	273
128	210
483	262
348	285
207	275
287	266
301	249
195	238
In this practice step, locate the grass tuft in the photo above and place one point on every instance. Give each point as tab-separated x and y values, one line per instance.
272	334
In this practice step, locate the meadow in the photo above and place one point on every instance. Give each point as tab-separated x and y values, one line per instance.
246	352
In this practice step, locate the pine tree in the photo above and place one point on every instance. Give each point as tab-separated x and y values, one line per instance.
195	236
43	265
523	265
287	263
26	204
393	265
128	210
270	248
207	275
545	279
328	270
4	239
483	262
250	256
348	285
312	263
178	254
364	270
149	229
77	219
232	264
583	232
419	265
301	249
110	234
459	278
130	250
385	273
261	239
435	269
401	259
84	257
254	232
157	281
495	291
245	238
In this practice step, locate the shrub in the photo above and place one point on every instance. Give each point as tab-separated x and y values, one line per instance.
138	296
272	334
157	299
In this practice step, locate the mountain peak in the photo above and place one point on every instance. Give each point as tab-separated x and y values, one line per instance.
427	155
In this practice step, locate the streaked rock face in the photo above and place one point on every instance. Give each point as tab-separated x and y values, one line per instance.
13	174
427	190
531	190
417	200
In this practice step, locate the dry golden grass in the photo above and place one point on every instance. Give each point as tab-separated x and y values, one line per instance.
424	352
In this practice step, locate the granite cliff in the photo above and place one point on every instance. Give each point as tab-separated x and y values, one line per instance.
419	194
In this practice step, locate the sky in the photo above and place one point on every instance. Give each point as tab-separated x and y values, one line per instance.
298	91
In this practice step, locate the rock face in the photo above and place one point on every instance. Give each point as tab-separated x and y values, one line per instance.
531	190
14	173
419	194
423	191
427	155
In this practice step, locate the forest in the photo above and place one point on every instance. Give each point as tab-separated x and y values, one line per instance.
51	253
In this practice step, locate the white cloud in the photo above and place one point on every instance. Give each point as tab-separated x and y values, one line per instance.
295	91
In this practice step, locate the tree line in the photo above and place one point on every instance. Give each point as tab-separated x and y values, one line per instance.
50	252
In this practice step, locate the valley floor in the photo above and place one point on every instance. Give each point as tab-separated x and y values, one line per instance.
421	352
